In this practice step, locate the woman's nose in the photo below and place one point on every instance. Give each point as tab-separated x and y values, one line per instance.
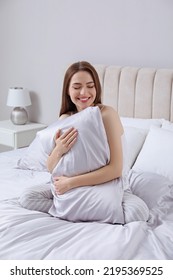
83	91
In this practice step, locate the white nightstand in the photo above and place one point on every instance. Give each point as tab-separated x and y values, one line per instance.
18	136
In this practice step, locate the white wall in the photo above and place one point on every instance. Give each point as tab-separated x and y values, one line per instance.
40	38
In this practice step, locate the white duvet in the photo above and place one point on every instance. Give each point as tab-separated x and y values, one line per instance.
27	234
34	235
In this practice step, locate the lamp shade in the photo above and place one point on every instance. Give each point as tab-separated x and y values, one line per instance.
18	97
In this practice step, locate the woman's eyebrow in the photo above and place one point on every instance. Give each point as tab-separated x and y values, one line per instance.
76	83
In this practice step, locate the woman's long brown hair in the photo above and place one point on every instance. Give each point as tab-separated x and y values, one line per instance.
66	104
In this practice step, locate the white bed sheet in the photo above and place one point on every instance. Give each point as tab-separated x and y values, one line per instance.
26	234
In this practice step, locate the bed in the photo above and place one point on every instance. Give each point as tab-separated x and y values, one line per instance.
143	99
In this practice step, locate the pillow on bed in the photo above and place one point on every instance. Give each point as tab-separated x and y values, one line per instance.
167	125
135	138
156	155
34	157
136	130
141	123
150	187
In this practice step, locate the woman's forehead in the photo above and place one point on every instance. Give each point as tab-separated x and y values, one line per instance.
81	76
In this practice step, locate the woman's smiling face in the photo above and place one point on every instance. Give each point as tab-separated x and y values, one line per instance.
82	90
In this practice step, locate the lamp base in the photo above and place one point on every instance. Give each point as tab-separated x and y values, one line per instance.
19	116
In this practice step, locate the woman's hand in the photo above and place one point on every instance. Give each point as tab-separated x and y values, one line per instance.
61	184
64	142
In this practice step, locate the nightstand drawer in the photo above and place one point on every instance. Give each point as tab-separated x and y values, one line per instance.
7	138
24	139
18	136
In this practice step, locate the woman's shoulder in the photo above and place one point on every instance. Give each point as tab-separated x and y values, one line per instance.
66	115
105	109
110	115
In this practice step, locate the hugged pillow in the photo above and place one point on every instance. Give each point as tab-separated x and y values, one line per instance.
91	151
37	153
150	187
101	203
156	155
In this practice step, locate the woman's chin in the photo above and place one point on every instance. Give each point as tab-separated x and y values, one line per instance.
83	106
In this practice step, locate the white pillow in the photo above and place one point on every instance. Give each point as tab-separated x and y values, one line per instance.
167	125
135	138
141	123
136	130
34	157
91	150
101	203
156	155
150	187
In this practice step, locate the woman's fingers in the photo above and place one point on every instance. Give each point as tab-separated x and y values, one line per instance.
68	136
72	142
66	140
68	132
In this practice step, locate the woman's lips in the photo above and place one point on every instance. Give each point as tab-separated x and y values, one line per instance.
84	99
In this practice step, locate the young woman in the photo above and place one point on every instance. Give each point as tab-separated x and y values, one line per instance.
82	89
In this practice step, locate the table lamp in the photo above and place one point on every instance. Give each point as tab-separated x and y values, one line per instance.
18	98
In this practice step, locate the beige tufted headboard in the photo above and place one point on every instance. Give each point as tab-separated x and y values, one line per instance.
138	92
